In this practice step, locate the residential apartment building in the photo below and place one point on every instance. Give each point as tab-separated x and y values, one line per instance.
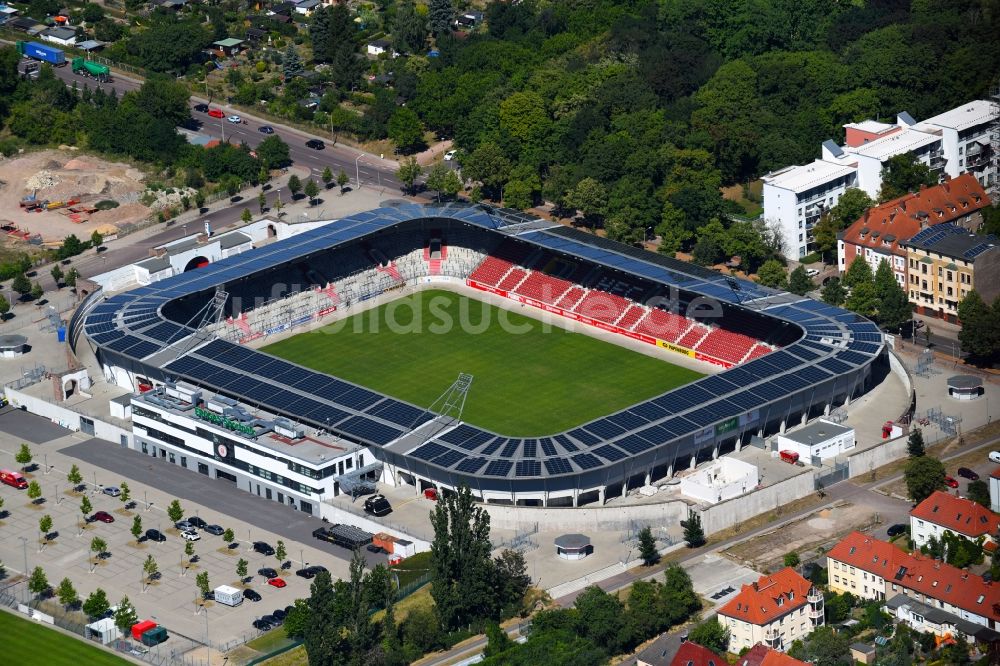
943	512
877	570
876	235
944	263
952	143
775	610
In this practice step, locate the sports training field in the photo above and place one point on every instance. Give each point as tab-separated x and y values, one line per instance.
529	380
28	643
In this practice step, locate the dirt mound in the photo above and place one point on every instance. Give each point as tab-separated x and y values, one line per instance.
121	215
42	180
78	163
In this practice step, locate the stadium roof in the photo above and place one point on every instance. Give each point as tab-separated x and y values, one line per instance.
130	329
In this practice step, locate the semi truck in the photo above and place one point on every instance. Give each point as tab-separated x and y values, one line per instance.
13	479
43	52
85	67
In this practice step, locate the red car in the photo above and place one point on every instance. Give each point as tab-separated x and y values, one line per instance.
950	482
216	113
277	582
103	516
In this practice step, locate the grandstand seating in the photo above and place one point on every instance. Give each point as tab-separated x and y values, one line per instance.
631	317
760	349
602	306
512	279
571	298
694	335
491	271
726	345
544	288
663	325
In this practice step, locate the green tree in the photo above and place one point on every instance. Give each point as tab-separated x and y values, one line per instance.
57	274
126	616
441	13
71	276
229	536
799	282
273	152
460	560
497	641
409	28
980	333
978	491
201	580
311	190
694	535
241	568
38	582
294	185
96	604
137	528
246	215
406	130
436	178
408	173
342	180
85	507
772	274
98	546
96	238
262	202
34	491
489	165
23	456
857	273
327	176
863	299
297	619
74	476
511	581
36	291
199	201
150	567
851	205
833	292
894	308
711	634
175	512
322	637
601	618
923	476
902	174
4	307
291	63
126	492
590	198
915	443
45	525
279	551
823	647
67	593
647	547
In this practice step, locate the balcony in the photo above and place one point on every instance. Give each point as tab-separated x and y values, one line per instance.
815	613
772	637
815	596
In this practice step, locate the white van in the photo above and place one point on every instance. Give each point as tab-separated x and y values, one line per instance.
995	457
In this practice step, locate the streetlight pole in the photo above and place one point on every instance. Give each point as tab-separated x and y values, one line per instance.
46	457
24	542
357	170
208	647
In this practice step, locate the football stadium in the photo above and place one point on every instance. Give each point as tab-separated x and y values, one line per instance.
463	344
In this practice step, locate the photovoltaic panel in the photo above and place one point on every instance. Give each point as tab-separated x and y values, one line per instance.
557	466
498	468
626	420
649	411
448	459
459	434
398	412
609	452
566	443
633	444
812	374
528	468
584	437
510	448
604	429
834	366
530	447
853	358
470	465
142	349
369	430
548	448
491	448
429	451
586	461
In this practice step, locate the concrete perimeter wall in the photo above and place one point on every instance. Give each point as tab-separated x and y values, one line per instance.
731	512
66	417
614	518
865	461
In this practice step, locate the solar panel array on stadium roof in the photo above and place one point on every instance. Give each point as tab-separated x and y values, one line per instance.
368	416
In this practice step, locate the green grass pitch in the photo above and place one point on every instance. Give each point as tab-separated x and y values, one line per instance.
29	643
530	379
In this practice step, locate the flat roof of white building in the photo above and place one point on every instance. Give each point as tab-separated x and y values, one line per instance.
976	112
808	176
899	143
817	432
873	126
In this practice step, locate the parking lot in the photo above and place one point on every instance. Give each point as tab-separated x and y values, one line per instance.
173	599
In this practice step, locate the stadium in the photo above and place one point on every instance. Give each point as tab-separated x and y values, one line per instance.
779	359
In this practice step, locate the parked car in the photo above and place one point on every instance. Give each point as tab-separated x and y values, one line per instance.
267	572
378	505
201	108
214	529
266	129
450	155
279	614
261	625
103	516
995	457
315	144
269	619
967	473
197	522
183	525
276	582
263	548
112	491
252	595
306	573
155	535
812	272
190	535
897	529
318	569
950	481
234	119
215	113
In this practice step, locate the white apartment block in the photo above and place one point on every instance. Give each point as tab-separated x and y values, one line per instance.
952	143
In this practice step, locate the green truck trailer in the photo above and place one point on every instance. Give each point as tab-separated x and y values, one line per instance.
89	68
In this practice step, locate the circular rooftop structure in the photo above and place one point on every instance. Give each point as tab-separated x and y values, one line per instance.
573	546
12	345
965	387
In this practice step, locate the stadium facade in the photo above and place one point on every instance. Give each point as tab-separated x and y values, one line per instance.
787	358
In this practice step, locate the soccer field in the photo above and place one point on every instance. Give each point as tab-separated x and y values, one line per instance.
29	643
530	379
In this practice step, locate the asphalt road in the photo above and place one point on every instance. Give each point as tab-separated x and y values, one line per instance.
371	169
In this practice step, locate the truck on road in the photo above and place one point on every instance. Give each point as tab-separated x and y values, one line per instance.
43	52
13	479
84	67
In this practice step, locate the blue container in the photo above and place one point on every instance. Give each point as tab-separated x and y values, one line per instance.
45	53
61	334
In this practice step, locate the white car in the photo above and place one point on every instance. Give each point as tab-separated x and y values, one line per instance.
450	155
190	535
234	119
812	272
995	456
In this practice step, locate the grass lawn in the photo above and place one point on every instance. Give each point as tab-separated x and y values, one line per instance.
270	640
28	642
530	379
